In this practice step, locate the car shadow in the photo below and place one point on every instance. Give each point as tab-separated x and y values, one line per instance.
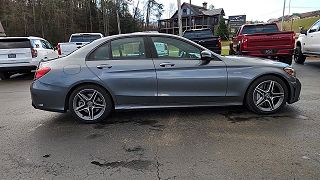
20	77
233	114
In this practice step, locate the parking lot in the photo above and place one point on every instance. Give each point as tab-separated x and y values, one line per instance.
194	143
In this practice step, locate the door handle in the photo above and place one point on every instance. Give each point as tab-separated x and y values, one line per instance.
104	66
167	64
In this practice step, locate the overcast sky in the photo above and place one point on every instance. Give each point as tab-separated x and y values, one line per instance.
254	9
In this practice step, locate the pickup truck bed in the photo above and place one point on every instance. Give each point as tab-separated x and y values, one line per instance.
264	40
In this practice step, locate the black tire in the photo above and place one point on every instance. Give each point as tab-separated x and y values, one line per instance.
299	58
5	75
105	96
286	59
231	51
249	99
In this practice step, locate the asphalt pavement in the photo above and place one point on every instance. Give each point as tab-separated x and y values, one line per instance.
193	143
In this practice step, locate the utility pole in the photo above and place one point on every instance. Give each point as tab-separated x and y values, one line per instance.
118	18
179	17
190	18
284	8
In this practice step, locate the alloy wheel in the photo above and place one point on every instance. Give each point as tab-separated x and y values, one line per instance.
268	96
89	104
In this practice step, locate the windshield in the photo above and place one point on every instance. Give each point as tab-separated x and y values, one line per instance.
271	28
84	38
198	34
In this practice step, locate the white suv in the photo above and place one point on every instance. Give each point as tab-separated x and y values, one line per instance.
23	54
308	43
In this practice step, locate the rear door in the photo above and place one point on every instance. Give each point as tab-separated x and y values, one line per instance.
185	79
127	70
14	51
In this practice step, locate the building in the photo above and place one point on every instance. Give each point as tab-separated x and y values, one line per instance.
1	30
201	17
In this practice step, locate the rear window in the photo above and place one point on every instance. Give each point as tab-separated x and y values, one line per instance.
271	28
14	43
198	34
84	38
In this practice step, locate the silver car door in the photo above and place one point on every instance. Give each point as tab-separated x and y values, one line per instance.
126	70
183	78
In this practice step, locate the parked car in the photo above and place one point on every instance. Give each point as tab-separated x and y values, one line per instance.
205	38
126	72
308	43
23	54
76	41
264	40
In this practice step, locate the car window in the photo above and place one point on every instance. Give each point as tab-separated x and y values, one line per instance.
128	48
14	43
84	38
36	43
101	53
46	44
315	27
254	29
176	49
198	34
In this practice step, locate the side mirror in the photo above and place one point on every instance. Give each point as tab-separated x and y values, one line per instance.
303	31
206	55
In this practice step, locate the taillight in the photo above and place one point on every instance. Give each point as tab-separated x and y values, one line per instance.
34	53
244	43
59	50
41	72
219	42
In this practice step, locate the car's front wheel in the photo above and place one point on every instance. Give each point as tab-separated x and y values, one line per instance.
267	95
90	104
299	58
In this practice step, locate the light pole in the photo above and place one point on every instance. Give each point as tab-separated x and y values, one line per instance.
284	8
179	18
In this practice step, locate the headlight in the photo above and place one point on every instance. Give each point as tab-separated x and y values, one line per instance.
290	71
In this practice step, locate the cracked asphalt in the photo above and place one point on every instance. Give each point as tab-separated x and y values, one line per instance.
194	143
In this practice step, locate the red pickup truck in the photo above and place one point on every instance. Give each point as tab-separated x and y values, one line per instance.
264	40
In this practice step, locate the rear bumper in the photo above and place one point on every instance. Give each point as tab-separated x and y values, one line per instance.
295	89
275	53
47	97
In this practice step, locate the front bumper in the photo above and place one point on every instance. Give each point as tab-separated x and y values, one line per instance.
295	89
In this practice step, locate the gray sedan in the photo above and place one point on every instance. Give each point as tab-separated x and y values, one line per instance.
152	70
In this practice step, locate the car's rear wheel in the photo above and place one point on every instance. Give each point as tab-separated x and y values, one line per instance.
299	58
267	95
90	104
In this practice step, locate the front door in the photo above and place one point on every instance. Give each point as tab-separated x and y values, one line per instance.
126	70
312	40
185	79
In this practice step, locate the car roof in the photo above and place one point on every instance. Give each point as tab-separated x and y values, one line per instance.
79	34
29	37
203	29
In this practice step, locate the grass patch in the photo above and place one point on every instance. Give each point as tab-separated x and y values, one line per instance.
225	43
306	23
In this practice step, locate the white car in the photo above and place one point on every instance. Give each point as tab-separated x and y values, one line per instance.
23	54
308	43
76	41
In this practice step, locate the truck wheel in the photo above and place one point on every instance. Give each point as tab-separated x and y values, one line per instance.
4	75
299	58
286	59
231	51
